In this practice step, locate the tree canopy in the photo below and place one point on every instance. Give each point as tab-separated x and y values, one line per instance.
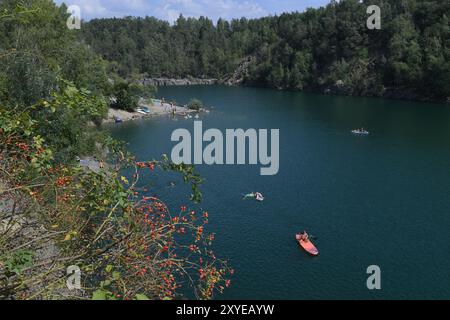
312	50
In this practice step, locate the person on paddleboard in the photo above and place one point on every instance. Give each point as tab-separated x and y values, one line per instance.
250	195
304	236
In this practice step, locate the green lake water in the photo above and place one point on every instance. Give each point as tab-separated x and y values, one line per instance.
379	200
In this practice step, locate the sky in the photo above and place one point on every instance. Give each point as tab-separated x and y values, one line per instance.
170	9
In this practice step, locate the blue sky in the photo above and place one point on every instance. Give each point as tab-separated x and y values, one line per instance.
170	9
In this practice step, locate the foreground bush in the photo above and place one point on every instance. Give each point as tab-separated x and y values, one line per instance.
56	214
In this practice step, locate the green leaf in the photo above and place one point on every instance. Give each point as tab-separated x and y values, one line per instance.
105	283
99	295
19	261
141	297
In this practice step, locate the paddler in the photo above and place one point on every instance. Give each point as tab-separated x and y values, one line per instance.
305	236
250	195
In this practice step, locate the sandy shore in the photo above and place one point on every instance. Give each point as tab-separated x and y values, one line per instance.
156	108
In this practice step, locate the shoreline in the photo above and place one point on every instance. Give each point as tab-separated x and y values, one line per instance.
156	108
338	89
162	81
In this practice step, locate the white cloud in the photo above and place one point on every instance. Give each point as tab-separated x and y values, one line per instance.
89	8
214	9
168	9
109	8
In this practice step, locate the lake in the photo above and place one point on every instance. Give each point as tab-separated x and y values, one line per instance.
382	199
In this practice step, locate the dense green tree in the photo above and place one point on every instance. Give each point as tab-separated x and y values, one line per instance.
41	58
302	51
123	97
37	49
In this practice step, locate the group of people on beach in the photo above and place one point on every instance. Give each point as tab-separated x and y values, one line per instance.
172	107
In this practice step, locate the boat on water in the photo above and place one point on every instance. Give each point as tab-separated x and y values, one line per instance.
118	120
306	244
259	197
254	195
142	111
361	132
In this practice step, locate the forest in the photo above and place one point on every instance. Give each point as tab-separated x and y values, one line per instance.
329	49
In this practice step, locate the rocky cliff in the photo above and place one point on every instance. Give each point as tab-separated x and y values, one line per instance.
160	82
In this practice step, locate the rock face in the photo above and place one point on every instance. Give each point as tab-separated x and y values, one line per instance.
160	82
239	75
235	79
338	88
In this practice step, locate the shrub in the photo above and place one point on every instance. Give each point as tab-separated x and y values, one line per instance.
126	95
195	104
123	97
127	245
